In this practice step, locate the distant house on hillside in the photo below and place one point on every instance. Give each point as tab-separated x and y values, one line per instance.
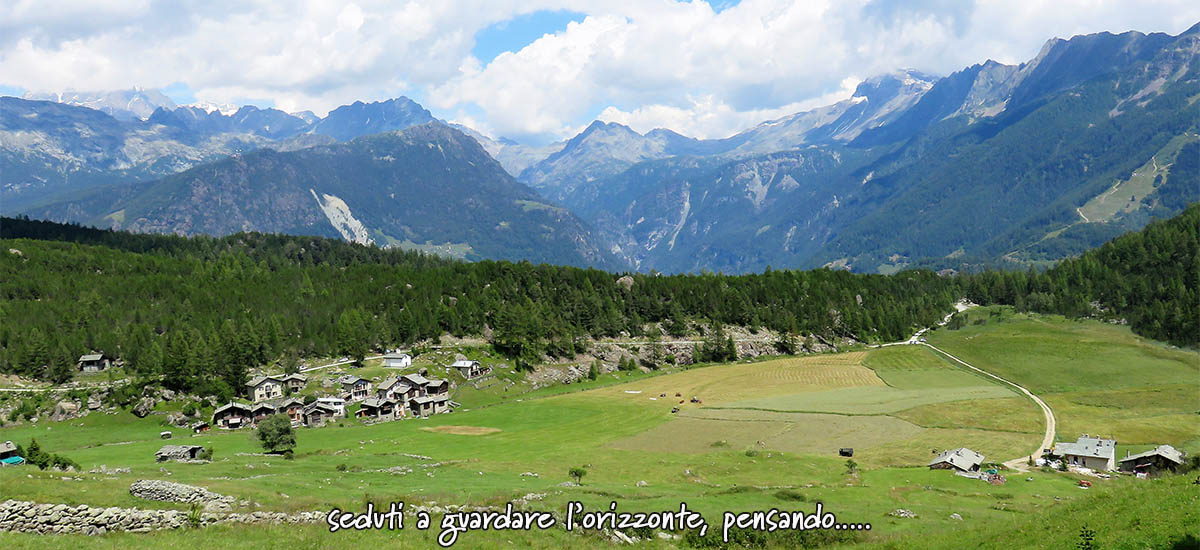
429	405
470	369
1153	462
355	388
397	360
316	414
261	410
293	407
293	382
232	415
94	362
394	387
178	452
1088	452
961	459
337	404
262	388
379	409
7	449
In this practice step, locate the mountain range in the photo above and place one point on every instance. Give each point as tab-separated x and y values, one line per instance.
994	164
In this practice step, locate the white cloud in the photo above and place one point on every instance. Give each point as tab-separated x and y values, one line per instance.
663	63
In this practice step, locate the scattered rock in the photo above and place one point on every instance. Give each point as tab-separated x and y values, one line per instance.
625	282
144	406
169	491
902	513
955	516
641	483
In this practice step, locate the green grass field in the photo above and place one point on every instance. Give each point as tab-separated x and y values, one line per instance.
1099	378
894	405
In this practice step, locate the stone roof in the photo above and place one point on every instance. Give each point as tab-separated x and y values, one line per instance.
350	380
1166	451
962	458
7	446
319	405
230	405
396	355
416	379
1093	447
91	357
464	363
258	380
389	382
375	402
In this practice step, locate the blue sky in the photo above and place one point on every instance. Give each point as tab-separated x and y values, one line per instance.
513	34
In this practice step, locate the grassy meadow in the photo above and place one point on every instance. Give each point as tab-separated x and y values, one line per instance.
764	434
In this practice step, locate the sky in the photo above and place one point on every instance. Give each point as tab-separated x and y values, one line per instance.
537	70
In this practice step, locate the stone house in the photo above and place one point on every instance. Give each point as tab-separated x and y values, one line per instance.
262	388
470	369
178	452
292	407
1152	463
397	388
1088	452
293	382
316	414
961	459
261	410
429	405
337	404
355	388
232	415
94	362
380	409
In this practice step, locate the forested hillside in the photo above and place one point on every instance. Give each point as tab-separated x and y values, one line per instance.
201	311
1150	278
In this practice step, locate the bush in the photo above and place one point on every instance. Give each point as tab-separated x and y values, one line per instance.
276	434
791	495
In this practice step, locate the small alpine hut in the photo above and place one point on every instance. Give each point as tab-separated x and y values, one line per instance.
232	415
961	459
94	362
178	452
1163	458
470	369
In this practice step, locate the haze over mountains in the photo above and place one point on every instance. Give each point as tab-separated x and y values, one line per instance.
993	163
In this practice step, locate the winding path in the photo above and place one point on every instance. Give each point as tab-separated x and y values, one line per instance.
1019	463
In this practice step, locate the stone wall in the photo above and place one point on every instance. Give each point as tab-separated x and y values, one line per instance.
30	517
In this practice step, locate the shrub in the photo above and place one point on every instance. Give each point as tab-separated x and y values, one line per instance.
791	495
276	434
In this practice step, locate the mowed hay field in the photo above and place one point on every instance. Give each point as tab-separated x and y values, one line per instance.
727	383
818	405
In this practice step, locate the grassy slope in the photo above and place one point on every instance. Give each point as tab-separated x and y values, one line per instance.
552	429
1099	378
